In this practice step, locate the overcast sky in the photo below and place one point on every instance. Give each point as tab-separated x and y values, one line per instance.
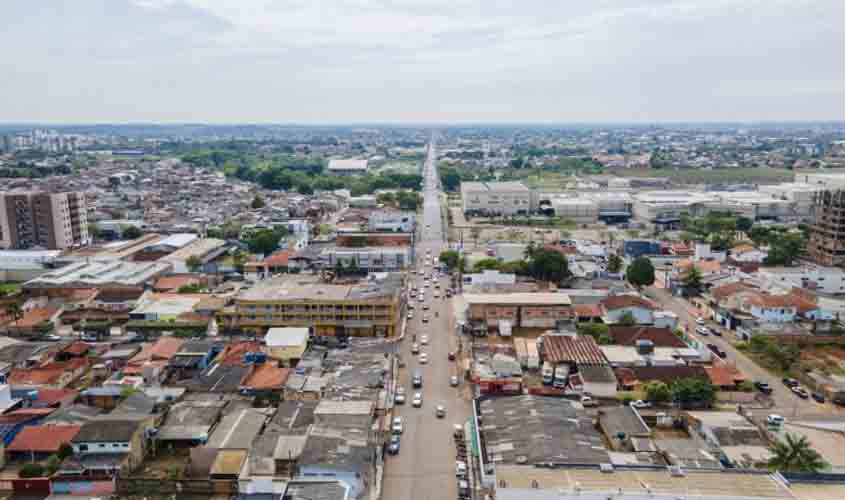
318	61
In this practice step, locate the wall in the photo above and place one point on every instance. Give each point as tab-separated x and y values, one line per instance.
641	315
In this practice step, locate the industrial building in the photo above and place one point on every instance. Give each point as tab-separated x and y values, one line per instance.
496	198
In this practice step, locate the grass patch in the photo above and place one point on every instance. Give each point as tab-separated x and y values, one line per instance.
9	289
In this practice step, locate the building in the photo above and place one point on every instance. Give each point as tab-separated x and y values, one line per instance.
391	221
24	265
495	198
111	444
369	308
347	166
504	311
286	344
367	259
617	307
47	220
97	274
827	236
827	280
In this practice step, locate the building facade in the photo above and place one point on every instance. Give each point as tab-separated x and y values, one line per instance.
827	236
53	221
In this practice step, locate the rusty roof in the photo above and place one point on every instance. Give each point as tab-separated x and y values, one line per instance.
580	350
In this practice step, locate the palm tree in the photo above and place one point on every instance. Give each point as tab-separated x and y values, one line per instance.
794	454
14	311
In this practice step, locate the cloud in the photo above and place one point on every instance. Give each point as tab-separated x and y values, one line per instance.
422	60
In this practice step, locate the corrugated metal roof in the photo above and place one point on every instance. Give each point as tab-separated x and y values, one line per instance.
580	350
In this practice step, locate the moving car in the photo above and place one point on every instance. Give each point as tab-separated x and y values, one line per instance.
399	397
393	447
763	387
417	380
790	382
702	330
415	348
440	411
800	392
817	397
453	381
424	340
588	401
423	358
417	402
640	404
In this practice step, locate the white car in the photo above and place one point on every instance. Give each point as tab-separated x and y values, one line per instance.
417	402
397	425
440	411
424	358
425	306
699	321
410	315
399	397
640	404
425	319
424	340
453	381
422	298
702	330
415	348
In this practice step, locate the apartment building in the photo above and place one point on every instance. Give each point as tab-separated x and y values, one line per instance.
827	236
54	221
365	309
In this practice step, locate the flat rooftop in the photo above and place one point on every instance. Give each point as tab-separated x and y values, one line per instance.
519	299
101	273
292	289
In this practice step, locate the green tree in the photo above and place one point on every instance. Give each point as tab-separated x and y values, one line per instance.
14	311
257	202
65	451
31	470
692	282
614	263
627	319
693	392
485	265
795	454
266	241
599	331
193	263
640	272
192	288
239	259
785	249
450	258
548	265
657	392
131	232
52	465
744	224
94	231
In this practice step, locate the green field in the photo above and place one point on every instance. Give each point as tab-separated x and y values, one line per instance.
750	175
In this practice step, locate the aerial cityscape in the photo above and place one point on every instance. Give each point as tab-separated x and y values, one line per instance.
422	250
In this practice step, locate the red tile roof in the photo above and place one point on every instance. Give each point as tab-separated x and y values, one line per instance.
233	354
723	375
45	375
725	291
163	349
586	311
279	259
50	396
43	438
767	301
581	350
266	376
623	301
168	283
629	335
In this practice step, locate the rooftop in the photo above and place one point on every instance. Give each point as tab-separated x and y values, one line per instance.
100	274
519	299
580	350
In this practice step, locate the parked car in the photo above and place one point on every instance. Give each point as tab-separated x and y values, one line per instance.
800	392
763	387
417	402
453	381
699	321
393	447
399	397
640	404
790	382
587	401
417	380
425	319
702	330
451	355
817	397
423	358
415	348
397	427
440	411
424	340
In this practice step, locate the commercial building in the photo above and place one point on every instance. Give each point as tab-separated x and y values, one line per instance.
370	308
496	198
827	235
392	221
371	259
103	275
347	166
517	310
46	220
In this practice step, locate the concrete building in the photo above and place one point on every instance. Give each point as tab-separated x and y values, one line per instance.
46	220
367	309
23	265
371	259
391	221
496	198
517	310
347	166
827	236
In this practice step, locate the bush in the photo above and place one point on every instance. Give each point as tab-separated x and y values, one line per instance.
31	470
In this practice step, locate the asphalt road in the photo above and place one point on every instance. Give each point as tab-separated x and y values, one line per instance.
785	402
424	469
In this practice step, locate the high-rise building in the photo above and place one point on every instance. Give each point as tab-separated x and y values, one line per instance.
48	220
827	236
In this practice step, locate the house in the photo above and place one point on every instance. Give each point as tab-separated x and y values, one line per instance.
189	423
630	378
57	375
724	376
193	357
37	442
622	423
594	380
265	378
740	442
347	166
630	335
153	357
745	253
771	308
107	445
615	307
286	344
278	263
172	283
237	430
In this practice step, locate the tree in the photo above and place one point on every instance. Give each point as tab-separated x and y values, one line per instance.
239	260
744	224
193	263
485	265
31	470
794	454
266	241
657	392
640	272
627	319
548	265
784	249
14	311
614	263
599	331
450	258
65	450
131	232
692	282
192	288
257	202
693	392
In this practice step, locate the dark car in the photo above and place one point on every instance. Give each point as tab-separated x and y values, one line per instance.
817	397
763	387
451	356
393	447
789	382
417	380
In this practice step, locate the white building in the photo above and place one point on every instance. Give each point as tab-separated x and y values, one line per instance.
347	166
22	265
495	198
367	258
827	280
391	221
488	278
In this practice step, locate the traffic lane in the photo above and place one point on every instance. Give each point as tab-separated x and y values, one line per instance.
782	397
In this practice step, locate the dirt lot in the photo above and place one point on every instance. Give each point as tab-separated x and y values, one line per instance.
827	359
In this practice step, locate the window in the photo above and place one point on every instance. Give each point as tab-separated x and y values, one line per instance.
101	445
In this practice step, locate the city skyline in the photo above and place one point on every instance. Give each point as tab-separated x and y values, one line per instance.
426	61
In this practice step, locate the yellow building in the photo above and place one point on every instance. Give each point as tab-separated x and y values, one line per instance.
366	309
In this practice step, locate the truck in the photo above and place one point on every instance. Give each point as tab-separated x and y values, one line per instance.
533	354
561	376
548	373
